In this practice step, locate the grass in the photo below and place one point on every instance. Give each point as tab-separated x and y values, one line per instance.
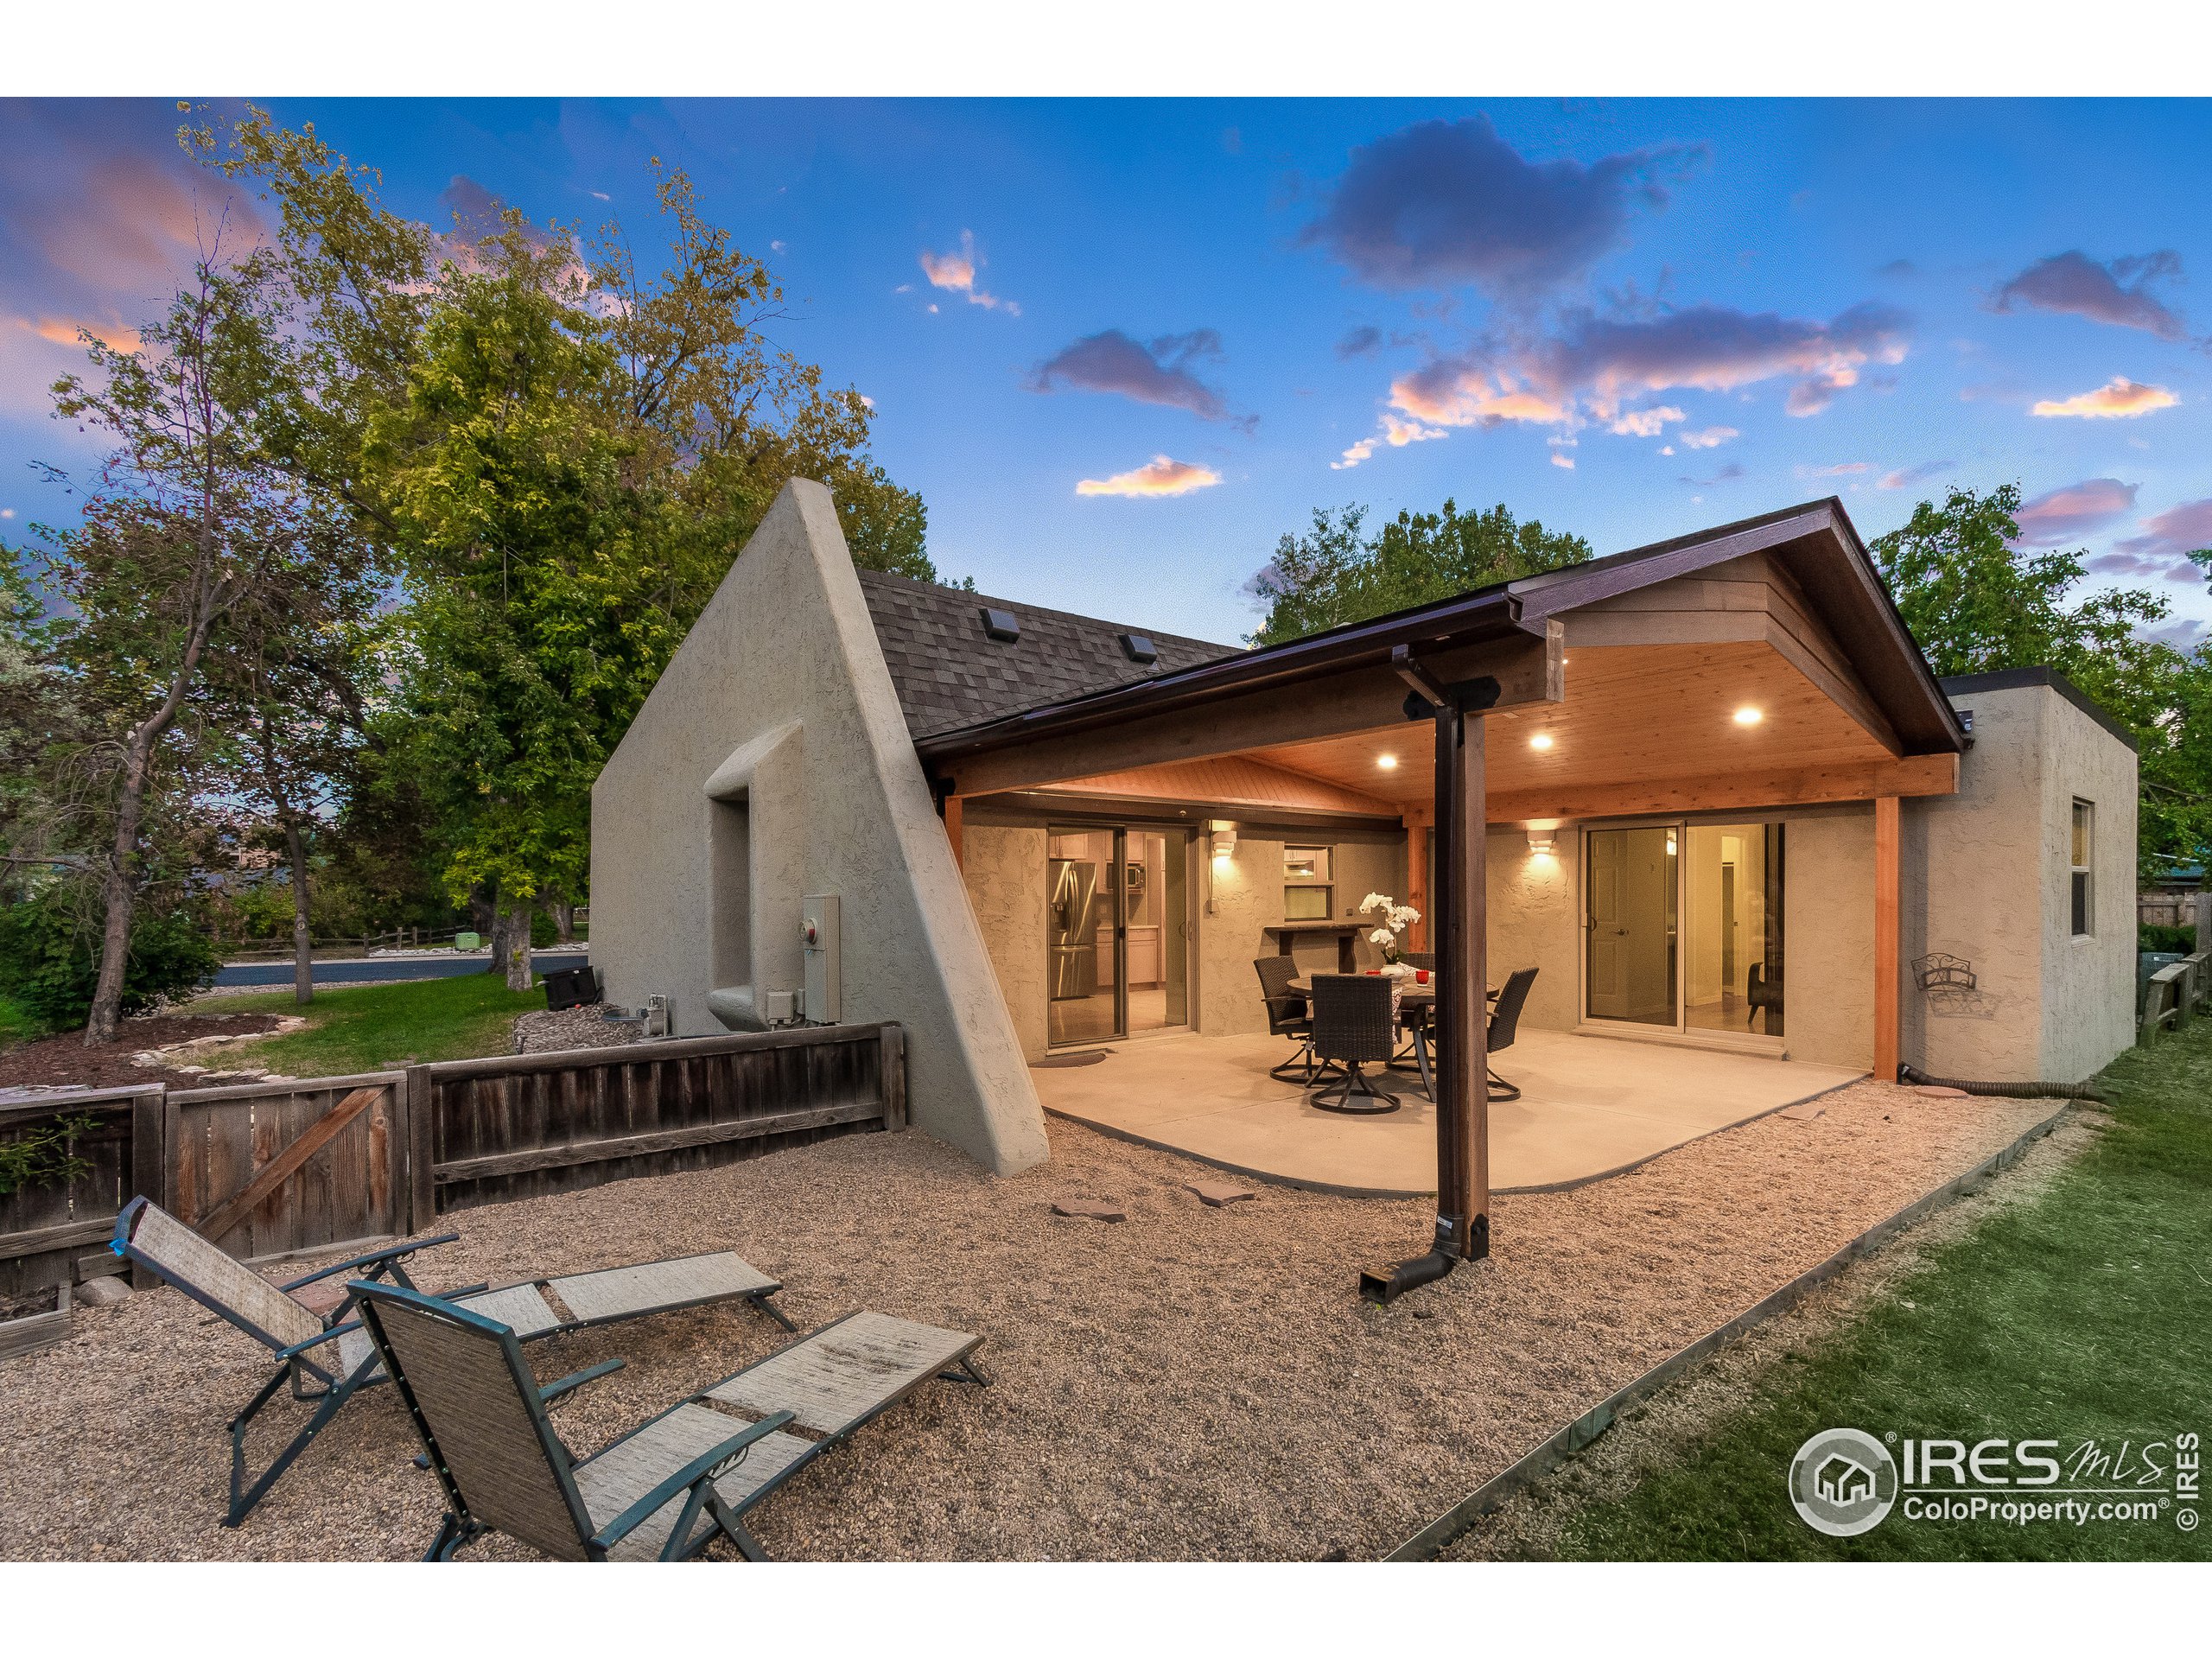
16	1025
371	1028
2085	1312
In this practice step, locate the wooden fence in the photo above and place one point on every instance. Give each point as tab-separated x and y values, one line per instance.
2163	908
286	1168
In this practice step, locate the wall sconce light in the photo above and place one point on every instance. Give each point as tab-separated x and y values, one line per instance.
1541	843
1225	841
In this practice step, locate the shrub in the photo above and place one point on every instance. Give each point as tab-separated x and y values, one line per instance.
542	930
49	954
2155	935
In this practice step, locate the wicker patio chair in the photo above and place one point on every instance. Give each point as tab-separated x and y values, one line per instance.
1762	991
665	1490
1354	1022
1288	1014
322	1351
1505	1019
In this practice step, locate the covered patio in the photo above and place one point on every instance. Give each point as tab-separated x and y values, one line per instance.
1589	1107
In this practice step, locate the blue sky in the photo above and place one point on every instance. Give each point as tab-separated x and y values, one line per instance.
1627	318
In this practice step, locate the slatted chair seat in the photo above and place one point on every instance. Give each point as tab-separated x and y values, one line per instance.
327	1355
666	1489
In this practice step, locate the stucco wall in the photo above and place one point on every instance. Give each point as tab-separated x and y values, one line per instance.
1991	865
787	638
1828	906
1005	869
1534	921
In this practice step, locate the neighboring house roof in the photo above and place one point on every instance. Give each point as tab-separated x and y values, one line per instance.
949	673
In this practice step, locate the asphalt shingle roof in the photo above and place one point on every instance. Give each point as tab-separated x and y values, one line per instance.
949	675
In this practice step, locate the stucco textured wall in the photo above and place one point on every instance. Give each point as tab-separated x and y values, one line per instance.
1534	920
1828	904
1987	880
787	638
1005	868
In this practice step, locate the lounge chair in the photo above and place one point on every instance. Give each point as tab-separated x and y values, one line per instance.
665	1490
326	1354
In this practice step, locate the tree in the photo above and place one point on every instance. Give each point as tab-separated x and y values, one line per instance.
1336	573
1976	601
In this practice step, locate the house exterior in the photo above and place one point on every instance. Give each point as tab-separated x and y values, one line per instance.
1724	804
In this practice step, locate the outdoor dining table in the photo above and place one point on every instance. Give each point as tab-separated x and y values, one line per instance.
1422	997
1410	990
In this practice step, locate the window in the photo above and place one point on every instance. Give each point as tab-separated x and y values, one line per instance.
2083	879
1307	893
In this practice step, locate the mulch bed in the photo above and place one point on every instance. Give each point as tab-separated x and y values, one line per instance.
1191	1383
65	1060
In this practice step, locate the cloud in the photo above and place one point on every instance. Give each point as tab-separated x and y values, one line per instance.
1560	459
1711	437
1442	203
1158	373
2075	510
1395	433
2117	293
1732	470
1842	469
1158	476
2133	565
2119	398
1645	423
1905	477
2185	634
1359	342
957	272
1595	365
2173	532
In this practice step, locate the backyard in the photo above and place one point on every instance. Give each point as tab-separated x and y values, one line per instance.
1191	1383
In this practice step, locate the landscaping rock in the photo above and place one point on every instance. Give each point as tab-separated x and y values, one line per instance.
105	1292
1804	1112
547	1031
1937	1091
1091	1209
1217	1193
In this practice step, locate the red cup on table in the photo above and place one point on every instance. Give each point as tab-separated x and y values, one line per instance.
1421	976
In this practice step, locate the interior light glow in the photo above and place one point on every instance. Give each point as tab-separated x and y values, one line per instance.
1748	715
1540	740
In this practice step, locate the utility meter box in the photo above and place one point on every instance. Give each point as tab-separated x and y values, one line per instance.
817	935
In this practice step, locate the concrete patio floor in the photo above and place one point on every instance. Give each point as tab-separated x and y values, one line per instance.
1589	1107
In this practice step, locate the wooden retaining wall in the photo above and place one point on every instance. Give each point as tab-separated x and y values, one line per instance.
291	1167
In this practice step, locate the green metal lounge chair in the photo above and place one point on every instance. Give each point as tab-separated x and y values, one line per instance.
666	1489
322	1351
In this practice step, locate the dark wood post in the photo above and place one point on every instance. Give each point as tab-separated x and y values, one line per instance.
1461	905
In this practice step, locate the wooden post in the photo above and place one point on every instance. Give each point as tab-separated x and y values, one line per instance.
149	1164
1462	973
1885	937
422	1149
1417	935
955	833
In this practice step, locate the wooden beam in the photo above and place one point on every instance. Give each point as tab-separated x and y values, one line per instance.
956	832
1526	666
640	1145
1887	966
1919	774
1417	881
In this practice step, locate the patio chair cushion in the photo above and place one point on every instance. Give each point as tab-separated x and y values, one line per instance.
845	1373
614	1478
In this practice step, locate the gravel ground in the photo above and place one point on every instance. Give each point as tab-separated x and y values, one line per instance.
545	1031
1191	1383
65	1059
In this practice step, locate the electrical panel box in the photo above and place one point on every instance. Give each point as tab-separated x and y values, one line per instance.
817	933
778	1007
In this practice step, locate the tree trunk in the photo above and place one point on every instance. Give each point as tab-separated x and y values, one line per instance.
564	922
495	939
517	947
115	938
295	845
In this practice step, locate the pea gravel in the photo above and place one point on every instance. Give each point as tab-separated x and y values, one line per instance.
1192	1384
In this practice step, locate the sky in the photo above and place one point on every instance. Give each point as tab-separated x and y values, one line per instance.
1121	347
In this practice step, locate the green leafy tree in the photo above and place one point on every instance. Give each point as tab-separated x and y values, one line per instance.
1977	601
1338	573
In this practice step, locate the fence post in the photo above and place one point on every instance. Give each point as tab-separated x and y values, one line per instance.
149	1163
893	1067
422	1149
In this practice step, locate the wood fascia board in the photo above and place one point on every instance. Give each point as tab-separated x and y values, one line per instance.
1527	667
1913	775
1572	588
1047	802
1168	781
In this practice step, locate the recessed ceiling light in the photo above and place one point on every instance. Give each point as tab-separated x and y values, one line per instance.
1540	740
1748	716
1388	762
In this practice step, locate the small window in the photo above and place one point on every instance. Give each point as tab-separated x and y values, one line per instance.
1308	892
2083	879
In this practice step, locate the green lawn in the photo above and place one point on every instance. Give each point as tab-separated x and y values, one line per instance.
371	1027
16	1025
2084	1313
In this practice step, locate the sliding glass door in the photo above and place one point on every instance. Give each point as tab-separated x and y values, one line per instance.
1683	923
1117	932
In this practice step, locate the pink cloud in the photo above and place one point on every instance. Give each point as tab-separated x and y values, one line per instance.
2175	532
2074	509
2119	398
1158	476
956	272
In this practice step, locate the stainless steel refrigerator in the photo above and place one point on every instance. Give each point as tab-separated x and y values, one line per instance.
1073	915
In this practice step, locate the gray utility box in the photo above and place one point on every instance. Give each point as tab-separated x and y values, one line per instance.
817	935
